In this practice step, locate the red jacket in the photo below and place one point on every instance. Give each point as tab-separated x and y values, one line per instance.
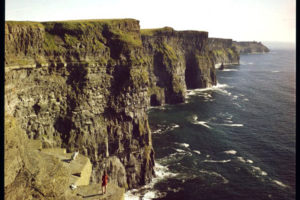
104	179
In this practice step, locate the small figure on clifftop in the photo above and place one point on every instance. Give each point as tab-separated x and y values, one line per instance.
75	154
104	182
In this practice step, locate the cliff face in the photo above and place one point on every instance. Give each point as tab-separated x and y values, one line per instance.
178	60
83	84
250	47
223	51
87	85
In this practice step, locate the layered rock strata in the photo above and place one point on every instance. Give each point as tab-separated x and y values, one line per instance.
223	51
87	85
250	47
178	60
83	84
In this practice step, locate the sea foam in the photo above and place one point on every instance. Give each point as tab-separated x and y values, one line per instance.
279	183
233	152
216	161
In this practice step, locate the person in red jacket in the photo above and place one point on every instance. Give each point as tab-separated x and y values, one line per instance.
104	182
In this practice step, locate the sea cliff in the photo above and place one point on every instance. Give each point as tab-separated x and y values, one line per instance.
178	60
83	85
87	85
250	47
223	51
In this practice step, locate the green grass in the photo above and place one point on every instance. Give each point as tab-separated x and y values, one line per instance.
154	31
71	40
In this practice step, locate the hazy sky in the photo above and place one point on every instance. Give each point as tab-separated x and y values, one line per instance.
260	20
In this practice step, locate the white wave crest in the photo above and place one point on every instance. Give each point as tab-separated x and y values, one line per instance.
230	70
249	161
183	144
147	191
197	152
157	131
279	183
237	125
214	87
275	71
217	161
203	123
241	159
233	152
259	171
179	150
165	128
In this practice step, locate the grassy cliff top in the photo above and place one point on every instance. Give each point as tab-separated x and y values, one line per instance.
106	21
169	30
154	31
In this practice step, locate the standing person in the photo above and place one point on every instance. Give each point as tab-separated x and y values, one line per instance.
75	154
104	182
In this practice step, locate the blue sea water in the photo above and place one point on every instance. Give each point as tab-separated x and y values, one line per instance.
234	141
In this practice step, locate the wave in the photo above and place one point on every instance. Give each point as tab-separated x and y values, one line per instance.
233	125
214	87
259	171
232	152
280	183
225	181
241	159
165	128
147	191
183	144
217	161
197	152
179	150
275	71
229	70
203	123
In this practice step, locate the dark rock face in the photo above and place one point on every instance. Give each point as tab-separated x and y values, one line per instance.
223	51
82	84
250	47
178	60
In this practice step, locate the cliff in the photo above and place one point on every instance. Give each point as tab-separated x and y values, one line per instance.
32	172
83	84
223	51
178	60
87	85
250	47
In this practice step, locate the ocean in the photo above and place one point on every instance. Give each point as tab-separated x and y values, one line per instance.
233	141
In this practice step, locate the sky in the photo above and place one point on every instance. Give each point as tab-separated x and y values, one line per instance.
240	20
